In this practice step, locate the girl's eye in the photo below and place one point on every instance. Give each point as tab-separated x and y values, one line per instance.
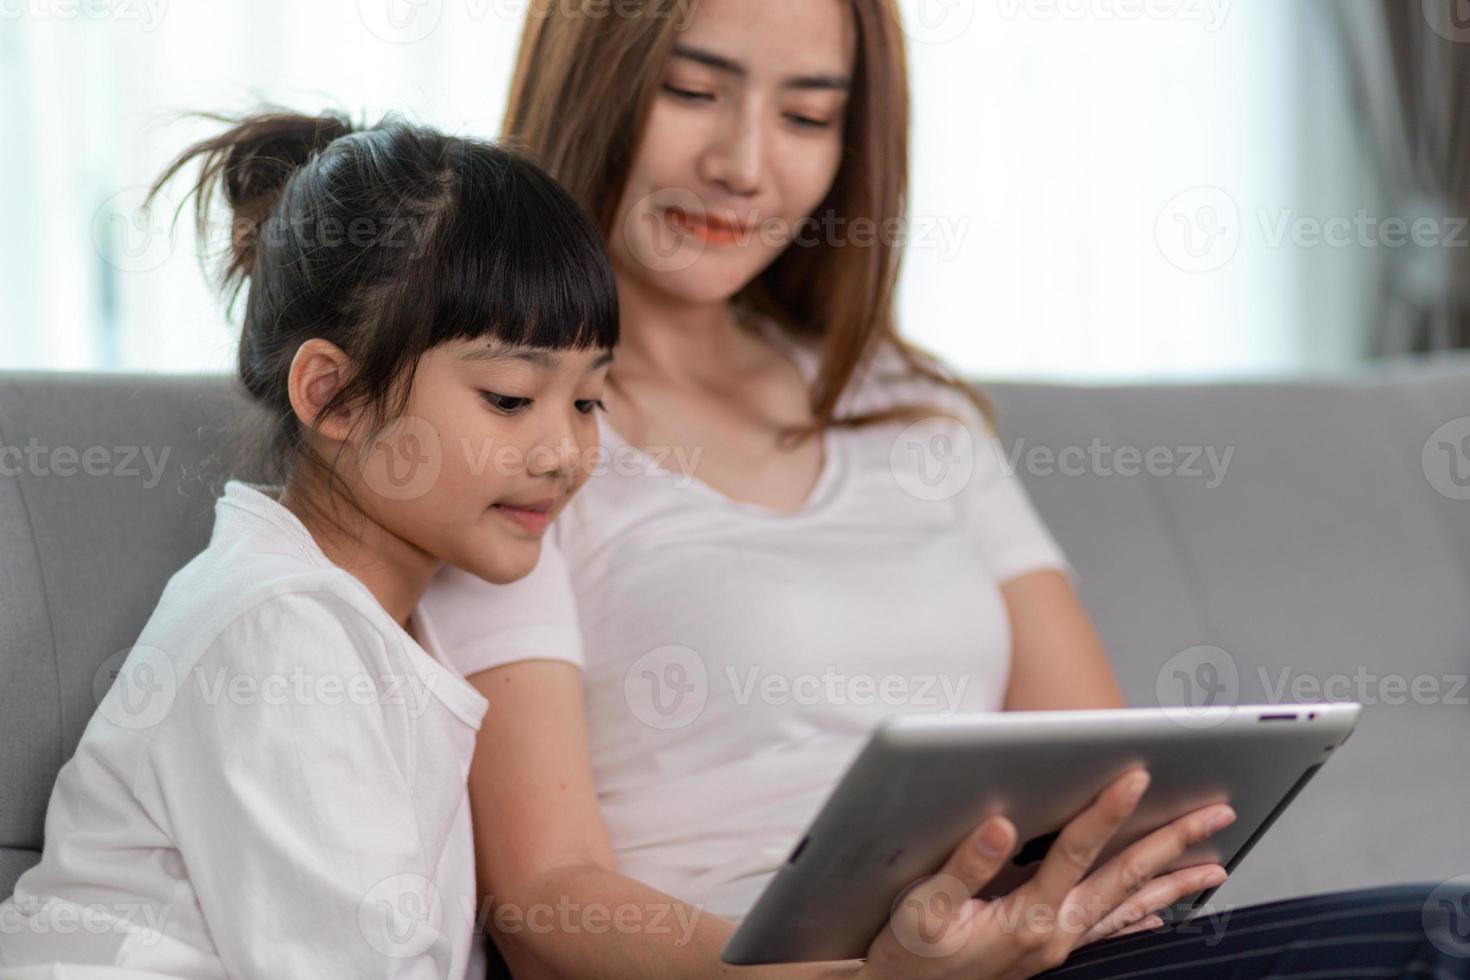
589	405
807	123
688	96
504	403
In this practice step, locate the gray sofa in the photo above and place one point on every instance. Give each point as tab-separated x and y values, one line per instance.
1328	550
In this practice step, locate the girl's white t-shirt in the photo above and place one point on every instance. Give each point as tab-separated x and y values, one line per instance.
273	786
734	658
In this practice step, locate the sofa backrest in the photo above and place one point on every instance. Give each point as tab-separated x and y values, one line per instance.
107	487
1320	546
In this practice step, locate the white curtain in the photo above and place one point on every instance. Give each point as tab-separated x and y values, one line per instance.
1058	146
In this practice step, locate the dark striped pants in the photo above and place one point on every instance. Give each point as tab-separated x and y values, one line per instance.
1413	930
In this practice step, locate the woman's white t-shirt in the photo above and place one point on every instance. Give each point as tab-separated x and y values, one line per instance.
274	786
736	658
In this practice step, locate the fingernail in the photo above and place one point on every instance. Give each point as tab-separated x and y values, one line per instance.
1134	787
992	841
1215	878
1223	818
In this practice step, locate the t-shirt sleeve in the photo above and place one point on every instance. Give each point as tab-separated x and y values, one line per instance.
479	625
1000	518
289	805
995	510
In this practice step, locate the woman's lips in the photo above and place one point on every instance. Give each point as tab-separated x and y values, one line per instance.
708	228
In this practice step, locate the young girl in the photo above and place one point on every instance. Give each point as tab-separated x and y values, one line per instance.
274	786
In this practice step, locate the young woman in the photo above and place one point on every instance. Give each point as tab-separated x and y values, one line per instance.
275	784
745	601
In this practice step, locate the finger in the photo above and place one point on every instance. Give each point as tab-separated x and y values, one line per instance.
1077	846
1152	922
934	917
1157	895
1141	862
982	854
1120	923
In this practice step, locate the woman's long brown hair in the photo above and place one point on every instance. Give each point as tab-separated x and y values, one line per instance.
584	82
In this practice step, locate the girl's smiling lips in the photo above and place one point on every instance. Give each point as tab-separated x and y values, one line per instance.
533	516
711	228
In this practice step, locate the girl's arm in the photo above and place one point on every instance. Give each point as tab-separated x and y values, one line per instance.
541	847
1057	659
284	793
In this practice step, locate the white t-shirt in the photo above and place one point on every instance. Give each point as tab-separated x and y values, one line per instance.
737	658
274	786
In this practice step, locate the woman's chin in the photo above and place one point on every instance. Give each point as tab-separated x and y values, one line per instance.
709	279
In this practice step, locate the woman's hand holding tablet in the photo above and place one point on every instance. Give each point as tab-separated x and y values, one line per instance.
939	931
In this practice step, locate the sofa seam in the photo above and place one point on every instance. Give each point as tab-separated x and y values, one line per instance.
20	491
1171	527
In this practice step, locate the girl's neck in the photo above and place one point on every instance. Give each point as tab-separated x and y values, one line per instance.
396	572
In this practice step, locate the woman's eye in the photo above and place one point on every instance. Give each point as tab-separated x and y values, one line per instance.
504	403
687	95
589	405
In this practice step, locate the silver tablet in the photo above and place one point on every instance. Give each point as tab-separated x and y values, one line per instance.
922	783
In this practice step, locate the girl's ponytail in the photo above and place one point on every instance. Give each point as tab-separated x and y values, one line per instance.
251	163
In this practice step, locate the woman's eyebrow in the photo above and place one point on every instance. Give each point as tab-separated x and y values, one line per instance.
719	62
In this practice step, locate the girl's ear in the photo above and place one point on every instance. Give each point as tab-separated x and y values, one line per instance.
318	372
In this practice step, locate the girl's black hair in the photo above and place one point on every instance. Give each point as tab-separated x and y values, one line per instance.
389	241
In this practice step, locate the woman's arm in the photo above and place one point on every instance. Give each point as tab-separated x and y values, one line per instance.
1057	660
557	906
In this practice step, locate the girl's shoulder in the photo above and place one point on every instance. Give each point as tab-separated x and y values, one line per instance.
262	590
313	618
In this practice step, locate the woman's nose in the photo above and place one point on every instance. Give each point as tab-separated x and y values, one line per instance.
734	160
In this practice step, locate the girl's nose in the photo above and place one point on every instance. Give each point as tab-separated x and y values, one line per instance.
559	454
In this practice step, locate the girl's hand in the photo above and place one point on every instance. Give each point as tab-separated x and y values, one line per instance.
938	930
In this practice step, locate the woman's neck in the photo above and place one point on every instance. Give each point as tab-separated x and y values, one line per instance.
674	339
394	570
